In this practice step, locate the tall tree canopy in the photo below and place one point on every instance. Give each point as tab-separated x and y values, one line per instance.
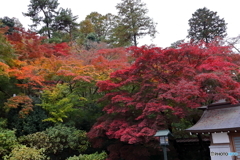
95	29
206	25
132	23
65	22
101	23
42	13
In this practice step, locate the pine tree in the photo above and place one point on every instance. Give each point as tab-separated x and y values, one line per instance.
46	7
65	22
206	25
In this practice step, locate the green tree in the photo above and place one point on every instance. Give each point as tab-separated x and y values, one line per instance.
206	25
58	102
119	34
102	24
97	20
86	27
65	22
47	8
132	22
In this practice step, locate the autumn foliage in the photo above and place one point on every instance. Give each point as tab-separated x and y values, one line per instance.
133	92
24	103
160	83
29	45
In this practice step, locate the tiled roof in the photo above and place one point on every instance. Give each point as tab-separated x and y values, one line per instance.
217	118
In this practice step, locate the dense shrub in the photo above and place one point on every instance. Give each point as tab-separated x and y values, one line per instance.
8	141
22	152
94	156
31	123
59	141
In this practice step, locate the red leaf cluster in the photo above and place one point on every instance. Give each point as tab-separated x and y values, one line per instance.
163	82
110	59
28	45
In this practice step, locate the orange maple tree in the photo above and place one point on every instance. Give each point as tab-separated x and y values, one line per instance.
29	45
23	102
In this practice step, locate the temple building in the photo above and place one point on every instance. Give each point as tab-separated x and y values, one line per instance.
221	121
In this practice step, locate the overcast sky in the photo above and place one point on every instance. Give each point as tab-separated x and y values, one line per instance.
171	15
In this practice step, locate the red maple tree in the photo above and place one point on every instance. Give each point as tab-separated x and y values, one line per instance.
161	82
29	45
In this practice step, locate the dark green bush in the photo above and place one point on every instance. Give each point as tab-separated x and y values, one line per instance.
31	123
59	141
94	156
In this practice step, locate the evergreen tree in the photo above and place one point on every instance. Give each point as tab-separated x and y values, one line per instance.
132	23
206	25
42	13
65	22
33	122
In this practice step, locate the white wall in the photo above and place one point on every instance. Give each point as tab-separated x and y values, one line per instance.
217	152
220	138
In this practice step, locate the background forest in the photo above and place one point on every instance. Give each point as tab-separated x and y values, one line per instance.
86	91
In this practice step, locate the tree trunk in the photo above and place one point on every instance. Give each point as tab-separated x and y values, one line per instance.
135	40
